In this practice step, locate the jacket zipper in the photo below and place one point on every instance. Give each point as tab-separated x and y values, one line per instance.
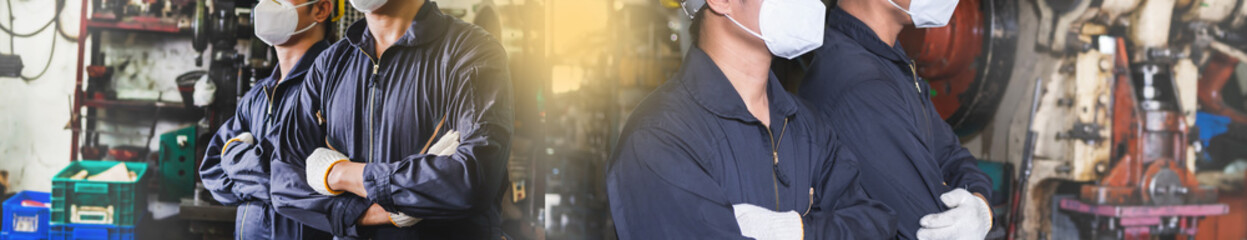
267	117
926	118
242	229
270	98
371	98
371	101
775	157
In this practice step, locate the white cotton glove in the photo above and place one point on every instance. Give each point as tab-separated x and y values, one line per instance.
968	217
204	92
245	137
318	166
402	220
763	224
447	145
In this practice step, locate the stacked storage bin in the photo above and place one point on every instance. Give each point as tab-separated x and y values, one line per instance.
87	209
26	216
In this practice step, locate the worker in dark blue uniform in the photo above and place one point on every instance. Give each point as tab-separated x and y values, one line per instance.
236	165
862	79
721	151
402	131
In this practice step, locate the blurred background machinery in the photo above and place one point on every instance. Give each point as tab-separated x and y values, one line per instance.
1097	119
1132	119
1113	119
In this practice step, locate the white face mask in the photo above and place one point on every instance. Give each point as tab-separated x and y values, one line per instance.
929	13
367	6
789	27
276	22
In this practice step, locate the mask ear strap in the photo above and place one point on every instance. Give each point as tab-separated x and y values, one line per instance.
755	34
305	4
898	6
309	27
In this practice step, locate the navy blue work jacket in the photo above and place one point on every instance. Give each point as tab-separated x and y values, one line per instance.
874	100
691	150
383	109
237	174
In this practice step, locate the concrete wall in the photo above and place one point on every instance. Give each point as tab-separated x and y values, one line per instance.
34	143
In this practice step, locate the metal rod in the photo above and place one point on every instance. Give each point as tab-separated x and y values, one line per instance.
82	44
1028	156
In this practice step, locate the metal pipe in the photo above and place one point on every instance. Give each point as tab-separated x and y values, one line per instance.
78	94
1028	156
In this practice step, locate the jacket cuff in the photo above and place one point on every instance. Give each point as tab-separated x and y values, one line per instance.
240	193
985	191
377	184
345	215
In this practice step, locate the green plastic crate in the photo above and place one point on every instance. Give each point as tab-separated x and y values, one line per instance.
98	202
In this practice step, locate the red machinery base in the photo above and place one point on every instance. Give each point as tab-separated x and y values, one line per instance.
1142	221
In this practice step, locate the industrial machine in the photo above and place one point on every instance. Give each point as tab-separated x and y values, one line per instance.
217	26
1109	148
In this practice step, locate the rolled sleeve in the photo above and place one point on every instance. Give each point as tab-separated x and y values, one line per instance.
212	170
243	162
377	183
960	168
291	196
454	186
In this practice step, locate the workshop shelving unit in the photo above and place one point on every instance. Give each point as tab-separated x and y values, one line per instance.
91	99
93	108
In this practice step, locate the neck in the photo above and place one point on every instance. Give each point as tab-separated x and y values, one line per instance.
389	23
746	63
882	18
289	54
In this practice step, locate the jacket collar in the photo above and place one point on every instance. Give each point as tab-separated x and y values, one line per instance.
854	28
705	82
300	68
429	25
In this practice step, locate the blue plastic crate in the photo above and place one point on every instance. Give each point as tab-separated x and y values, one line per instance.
90	232
26	222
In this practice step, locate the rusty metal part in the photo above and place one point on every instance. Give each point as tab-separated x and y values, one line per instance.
1165	188
1135	212
1141	222
968	62
1149	135
1229	226
1214	77
947	52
